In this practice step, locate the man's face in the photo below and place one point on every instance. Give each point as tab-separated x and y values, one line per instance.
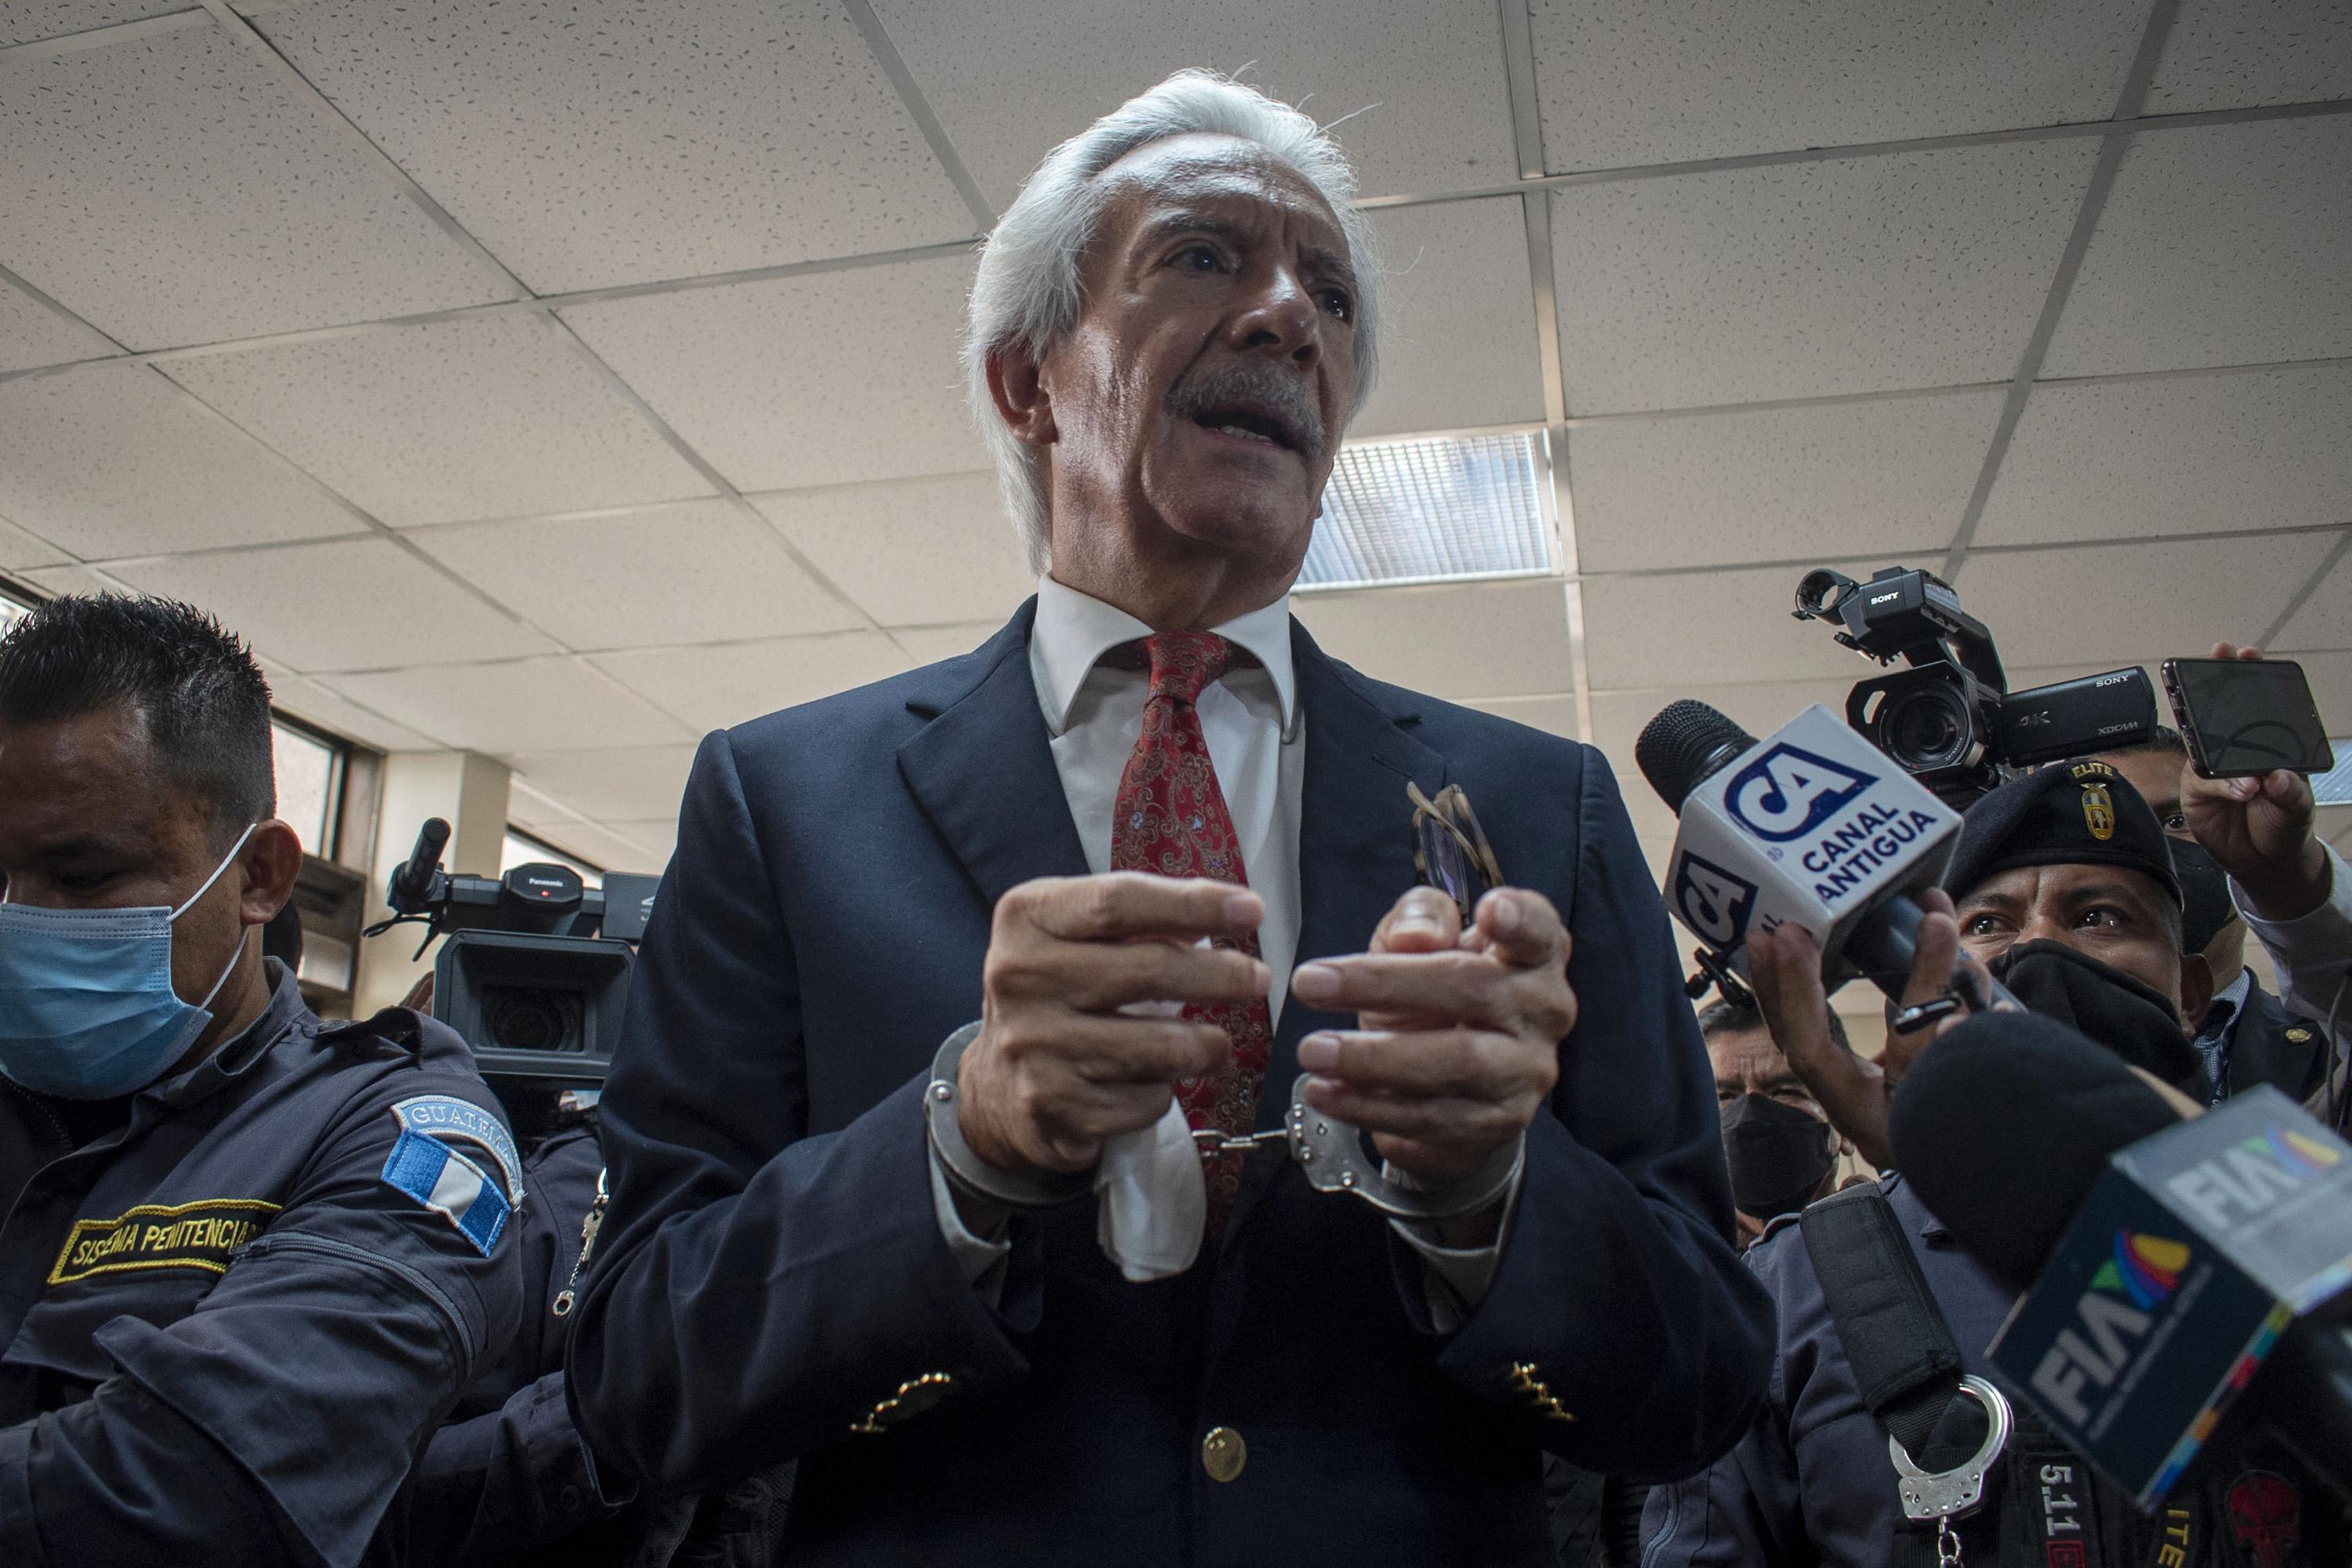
1205	388
1747	1062
93	823
2112	913
2156	776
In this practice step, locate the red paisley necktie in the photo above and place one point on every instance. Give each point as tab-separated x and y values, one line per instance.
1171	818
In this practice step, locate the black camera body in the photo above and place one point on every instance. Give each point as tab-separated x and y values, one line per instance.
524	975
1951	720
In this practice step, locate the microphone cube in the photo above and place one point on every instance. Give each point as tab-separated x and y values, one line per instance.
2196	1249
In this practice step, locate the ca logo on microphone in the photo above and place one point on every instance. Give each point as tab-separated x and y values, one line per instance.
1788	791
1713	903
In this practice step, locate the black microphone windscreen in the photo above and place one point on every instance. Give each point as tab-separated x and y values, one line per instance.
2003	1127
1686	742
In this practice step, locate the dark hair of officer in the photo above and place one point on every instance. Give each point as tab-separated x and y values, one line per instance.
203	701
134	752
1722	1017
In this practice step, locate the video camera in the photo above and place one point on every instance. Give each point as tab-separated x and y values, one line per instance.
1951	720
525	976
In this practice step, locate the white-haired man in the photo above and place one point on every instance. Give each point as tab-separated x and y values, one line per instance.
962	987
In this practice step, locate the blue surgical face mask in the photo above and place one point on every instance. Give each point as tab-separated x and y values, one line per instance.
87	1008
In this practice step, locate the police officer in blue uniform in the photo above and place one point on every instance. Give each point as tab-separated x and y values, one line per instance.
2066	891
249	1259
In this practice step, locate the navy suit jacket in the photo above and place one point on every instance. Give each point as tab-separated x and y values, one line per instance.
772	1276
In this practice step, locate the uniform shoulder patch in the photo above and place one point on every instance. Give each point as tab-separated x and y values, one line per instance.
203	1235
461	1122
443	1180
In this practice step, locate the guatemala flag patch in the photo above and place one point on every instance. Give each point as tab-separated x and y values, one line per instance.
450	1185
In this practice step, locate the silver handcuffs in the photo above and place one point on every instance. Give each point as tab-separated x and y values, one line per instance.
1947	1495
1329	1151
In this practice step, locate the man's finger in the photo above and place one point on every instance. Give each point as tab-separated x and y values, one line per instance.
1471	987
1117	1050
1098	977
1447	1122
1932	960
1523	930
1423	920
1470	1063
1122	904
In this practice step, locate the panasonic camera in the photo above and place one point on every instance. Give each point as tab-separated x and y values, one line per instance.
1950	718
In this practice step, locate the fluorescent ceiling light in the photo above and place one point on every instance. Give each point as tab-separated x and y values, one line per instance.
1436	510
11	612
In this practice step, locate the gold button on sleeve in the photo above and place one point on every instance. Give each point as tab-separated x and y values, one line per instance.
1222	1453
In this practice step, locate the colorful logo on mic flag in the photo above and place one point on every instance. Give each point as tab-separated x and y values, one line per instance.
2144	1268
2293	1151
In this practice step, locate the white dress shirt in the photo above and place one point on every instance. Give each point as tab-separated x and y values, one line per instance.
1257	744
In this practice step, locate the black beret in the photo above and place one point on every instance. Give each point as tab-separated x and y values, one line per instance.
2067	814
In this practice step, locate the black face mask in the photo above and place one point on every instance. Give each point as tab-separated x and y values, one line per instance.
2115	1010
2205	905
1779	1155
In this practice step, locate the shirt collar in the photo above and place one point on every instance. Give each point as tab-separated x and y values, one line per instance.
1074	630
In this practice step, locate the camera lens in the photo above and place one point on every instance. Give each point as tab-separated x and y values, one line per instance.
1926	727
527	1019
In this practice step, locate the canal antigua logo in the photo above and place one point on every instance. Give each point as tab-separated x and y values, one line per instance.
1788	791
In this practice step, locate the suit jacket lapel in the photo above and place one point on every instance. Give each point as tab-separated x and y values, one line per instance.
1355	850
982	769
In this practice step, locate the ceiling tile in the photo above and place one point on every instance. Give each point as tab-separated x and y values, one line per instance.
355	604
491	416
2227	54
1457	324
1855	275
755	131
2144	602
1884	477
929	645
784	384
914	551
1454	640
527	807
641	782
715	687
526	705
2179	455
698	571
601	846
20	552
1622	86
23	21
33	334
657	839
2326	618
2223	245
331	711
227	212
1679	631
69	580
111	460
1424	80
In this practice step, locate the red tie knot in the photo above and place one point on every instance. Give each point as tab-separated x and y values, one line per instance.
1183	662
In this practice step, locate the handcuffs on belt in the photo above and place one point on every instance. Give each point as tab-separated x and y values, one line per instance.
1450	853
1956	1493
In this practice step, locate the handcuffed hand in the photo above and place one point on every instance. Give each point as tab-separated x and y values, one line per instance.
2259	830
1457	1044
1057	1069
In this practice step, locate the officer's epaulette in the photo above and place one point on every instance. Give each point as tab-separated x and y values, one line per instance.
1775	1225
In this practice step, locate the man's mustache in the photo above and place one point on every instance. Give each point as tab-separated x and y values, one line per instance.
1196	397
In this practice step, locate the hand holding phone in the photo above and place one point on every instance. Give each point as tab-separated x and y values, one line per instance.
2256	821
2244	715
